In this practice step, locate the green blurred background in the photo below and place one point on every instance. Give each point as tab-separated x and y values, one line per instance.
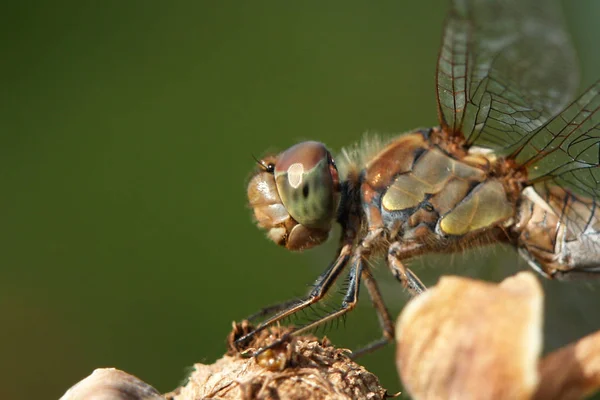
127	134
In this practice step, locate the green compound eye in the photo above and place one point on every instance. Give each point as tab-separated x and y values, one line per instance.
308	184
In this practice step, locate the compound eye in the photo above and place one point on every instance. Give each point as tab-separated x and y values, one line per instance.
308	184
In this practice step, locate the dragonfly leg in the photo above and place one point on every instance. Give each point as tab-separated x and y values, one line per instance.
406	277
349	302
322	285
272	309
385	320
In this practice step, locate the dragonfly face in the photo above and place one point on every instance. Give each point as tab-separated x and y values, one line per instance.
295	195
513	160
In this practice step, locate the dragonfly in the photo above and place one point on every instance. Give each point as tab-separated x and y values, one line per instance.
514	160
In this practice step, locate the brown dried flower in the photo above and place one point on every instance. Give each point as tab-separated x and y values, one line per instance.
304	368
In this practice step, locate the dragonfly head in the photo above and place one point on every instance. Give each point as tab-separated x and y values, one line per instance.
295	195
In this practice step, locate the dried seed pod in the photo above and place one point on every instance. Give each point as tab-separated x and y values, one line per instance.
305	369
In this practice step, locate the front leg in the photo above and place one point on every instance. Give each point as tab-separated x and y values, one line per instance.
348	304
322	285
359	270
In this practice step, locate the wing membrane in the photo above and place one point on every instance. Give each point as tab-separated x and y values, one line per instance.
505	67
567	148
563	160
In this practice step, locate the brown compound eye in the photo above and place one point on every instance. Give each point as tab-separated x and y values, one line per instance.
308	184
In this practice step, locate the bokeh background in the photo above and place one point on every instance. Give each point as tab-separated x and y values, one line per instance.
127	132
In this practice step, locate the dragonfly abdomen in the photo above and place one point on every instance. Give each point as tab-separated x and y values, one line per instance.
558	232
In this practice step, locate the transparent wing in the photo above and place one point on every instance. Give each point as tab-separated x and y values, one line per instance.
562	158
505	67
566	150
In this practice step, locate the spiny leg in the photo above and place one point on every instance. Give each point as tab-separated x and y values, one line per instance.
385	320
407	278
349	302
322	285
274	308
399	251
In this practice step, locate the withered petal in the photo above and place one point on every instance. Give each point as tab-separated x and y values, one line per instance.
572	372
111	383
468	339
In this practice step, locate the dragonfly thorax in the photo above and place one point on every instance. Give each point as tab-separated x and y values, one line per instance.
416	189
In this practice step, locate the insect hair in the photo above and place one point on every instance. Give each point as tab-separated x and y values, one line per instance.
354	158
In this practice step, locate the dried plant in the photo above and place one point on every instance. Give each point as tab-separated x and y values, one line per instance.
462	339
